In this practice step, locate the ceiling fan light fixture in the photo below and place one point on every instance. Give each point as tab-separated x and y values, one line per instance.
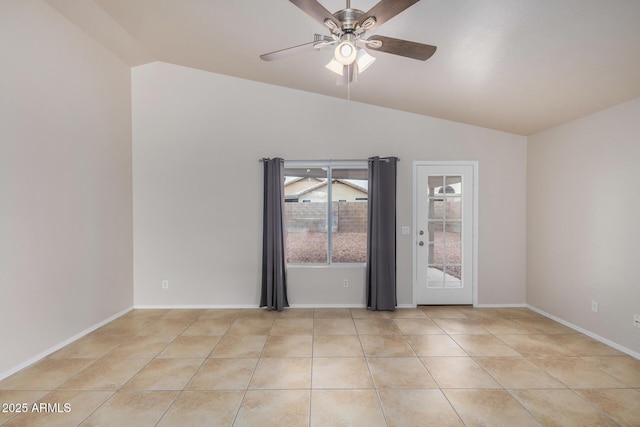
373	44
331	25
349	75
335	66
345	53
369	23
364	60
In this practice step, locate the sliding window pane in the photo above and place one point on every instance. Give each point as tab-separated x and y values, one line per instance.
349	200
305	213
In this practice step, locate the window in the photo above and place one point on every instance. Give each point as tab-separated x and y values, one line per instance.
325	212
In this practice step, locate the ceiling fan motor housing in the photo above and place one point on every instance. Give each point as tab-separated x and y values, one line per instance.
348	19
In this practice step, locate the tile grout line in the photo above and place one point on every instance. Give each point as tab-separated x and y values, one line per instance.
508	391
515	397
511	392
113	392
373	381
246	390
313	337
181	392
474	358
147	364
436	383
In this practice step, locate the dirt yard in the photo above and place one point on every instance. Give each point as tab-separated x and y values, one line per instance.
305	248
312	247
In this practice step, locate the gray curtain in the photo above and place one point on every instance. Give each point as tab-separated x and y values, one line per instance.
274	278
381	234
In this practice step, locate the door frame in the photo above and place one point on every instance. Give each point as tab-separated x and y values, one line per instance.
474	225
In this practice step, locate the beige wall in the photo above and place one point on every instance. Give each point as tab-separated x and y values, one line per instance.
583	215
194	132
65	182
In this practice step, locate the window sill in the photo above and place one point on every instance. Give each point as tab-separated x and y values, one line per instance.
340	265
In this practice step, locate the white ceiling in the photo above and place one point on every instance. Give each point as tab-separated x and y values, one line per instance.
520	66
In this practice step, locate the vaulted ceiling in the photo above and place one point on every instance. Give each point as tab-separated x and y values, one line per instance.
520	66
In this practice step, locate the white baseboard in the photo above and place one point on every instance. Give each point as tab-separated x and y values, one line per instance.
327	306
587	333
192	306
57	347
500	305
233	306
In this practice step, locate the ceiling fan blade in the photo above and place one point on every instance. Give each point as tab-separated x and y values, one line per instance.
404	48
385	10
284	53
316	11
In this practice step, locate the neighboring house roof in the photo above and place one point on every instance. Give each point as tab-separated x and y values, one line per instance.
354	185
322	184
305	190
291	179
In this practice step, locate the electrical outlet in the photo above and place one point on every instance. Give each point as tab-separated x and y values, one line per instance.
594	306
165	284
636	320
345	283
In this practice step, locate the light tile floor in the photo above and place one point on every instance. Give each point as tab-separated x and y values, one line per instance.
430	366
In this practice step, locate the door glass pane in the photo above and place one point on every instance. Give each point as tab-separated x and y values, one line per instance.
453	231
453	272
436	209
453	208
435	184
452	276
453	253
453	185
435	231
453	284
436	253
435	276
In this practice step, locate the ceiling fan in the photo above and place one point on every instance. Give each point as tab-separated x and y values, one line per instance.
347	27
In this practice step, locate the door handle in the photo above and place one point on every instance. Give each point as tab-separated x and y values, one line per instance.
421	243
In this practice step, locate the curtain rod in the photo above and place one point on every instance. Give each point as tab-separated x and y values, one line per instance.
384	159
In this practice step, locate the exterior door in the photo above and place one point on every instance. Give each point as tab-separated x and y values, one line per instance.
444	233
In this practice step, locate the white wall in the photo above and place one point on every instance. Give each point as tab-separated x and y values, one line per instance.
583	214
197	138
65	182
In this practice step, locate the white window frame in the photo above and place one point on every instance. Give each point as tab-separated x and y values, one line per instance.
330	165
